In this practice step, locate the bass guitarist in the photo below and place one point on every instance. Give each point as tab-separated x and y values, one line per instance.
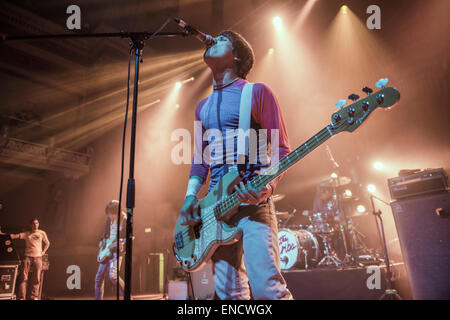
250	266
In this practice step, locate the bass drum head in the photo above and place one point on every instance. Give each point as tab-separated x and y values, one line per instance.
298	248
289	248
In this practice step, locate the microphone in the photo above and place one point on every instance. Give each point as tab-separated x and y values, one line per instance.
205	38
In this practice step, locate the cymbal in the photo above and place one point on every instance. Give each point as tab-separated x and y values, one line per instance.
282	214
278	197
359	214
335	182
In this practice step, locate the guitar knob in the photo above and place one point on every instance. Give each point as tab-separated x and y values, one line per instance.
380	98
365	106
353	97
350	121
351	112
367	90
194	257
337	118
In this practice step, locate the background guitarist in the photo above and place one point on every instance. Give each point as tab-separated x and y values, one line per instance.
110	236
253	262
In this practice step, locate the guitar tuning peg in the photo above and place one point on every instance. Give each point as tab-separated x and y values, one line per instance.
353	97
367	90
382	83
340	103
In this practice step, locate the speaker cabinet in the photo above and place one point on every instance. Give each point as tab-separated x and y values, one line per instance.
424	237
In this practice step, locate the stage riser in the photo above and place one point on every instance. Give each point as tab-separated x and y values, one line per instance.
349	284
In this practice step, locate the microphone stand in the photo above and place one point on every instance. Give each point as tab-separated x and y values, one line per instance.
389	293
137	44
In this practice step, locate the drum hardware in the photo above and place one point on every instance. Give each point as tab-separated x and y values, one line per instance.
282	214
284	217
335	183
358	245
330	257
278	197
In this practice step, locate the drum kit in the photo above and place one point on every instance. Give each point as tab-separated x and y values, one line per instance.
330	239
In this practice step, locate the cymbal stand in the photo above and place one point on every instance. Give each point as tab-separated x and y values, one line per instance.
348	259
330	258
357	242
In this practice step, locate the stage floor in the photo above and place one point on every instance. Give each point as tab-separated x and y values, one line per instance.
136	297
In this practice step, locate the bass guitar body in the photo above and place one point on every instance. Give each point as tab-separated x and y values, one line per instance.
194	245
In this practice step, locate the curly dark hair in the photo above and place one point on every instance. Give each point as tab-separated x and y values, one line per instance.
112	207
243	51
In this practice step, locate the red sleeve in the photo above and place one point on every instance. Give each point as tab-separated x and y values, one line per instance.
266	111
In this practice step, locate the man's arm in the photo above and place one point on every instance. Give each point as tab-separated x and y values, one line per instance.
198	174
46	242
268	114
15	236
189	213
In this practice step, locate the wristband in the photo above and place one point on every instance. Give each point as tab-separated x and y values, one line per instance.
194	186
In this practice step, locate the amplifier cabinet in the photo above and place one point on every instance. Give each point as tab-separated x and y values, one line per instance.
8	277
419	183
424	237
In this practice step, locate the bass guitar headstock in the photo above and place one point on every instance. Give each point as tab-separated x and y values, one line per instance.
351	117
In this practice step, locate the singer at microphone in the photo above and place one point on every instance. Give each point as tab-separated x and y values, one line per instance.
205	38
230	60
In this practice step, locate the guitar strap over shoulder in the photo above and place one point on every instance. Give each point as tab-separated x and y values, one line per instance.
245	115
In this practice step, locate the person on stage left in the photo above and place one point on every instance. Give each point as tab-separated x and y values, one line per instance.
34	238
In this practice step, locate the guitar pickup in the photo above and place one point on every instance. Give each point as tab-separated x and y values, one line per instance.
179	242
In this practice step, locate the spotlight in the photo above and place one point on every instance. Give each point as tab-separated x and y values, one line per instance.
177	106
271	50
348	193
278	23
360	208
371	188
178	85
344	9
378	165
334	175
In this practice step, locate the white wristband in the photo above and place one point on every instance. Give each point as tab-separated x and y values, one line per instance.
194	186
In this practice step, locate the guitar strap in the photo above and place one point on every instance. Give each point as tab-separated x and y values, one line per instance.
245	115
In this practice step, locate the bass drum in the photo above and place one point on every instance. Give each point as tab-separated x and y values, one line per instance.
298	249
